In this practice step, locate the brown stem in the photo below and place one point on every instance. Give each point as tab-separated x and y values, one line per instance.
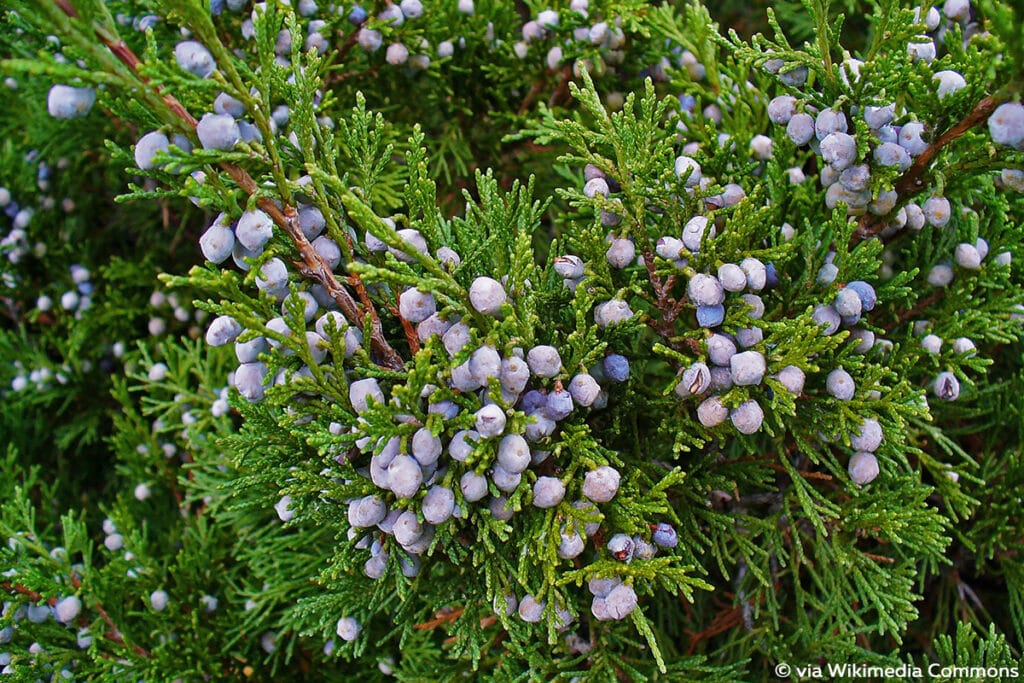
914	180
667	306
312	265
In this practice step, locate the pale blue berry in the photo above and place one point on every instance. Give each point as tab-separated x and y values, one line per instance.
747	368
712	412
147	148
868	436
487	295
747	417
66	102
218	131
194	58
863	468
473	486
1006	124
705	290
840	384
490	421
600	485
513	454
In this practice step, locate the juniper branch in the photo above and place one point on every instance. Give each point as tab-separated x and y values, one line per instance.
311	265
915	179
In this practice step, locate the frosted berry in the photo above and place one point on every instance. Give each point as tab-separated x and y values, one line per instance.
963	345
792	378
611	313
878	117
396	54
404	476
426	448
194	58
218	131
348	629
514	454
826	317
462	444
863	468
438	505
689	169
866	293
490	421
749	336
249	381
158	600
366	512
868	436
829	121
757	273
840	384
621	253
473	486
891	154
732	277
665	535
407	528
67	609
283	508
848	303
223	330
781	109
747	417
362	392
148	146
839	150
500	509
693	232
940	275
65	102
569	266
949	82
217	242
584	389
747	368
705	290
544	361
530	610
931	343
595	187
1006	124
548	492
487	295
712	412
273	277
710	316
620	602
800	129
570	545
504	480
937	211
967	256
694	381
601	485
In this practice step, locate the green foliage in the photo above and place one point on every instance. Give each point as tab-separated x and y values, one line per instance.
143	466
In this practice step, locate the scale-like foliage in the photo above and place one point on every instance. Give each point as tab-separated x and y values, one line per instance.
495	340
